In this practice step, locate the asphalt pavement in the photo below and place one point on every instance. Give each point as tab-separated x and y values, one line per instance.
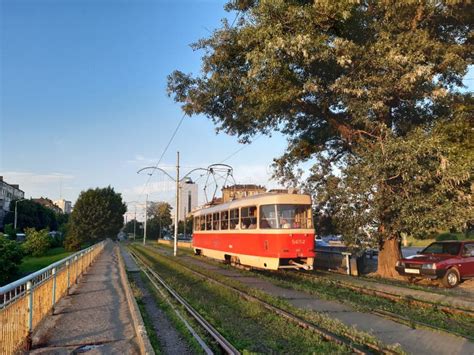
94	318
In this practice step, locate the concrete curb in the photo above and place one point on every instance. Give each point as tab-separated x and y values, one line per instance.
143	341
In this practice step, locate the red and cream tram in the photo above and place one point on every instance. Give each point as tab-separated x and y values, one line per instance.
267	231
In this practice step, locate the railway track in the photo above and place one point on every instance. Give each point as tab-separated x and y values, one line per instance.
351	343
155	279
393	296
397	297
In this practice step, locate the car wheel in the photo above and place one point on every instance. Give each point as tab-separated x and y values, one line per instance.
451	278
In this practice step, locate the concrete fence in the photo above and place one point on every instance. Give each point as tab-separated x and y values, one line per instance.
26	302
181	244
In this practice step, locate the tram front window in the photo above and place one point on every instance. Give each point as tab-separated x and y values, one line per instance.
285	217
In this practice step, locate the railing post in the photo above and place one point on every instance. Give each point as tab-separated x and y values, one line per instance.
29	339
82	263
75	268
54	290
68	277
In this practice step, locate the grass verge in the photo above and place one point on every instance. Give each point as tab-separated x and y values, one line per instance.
31	264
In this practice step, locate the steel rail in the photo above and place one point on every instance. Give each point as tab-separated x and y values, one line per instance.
219	338
397	317
393	296
324	333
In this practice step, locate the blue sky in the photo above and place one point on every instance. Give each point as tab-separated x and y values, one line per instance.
84	104
83	97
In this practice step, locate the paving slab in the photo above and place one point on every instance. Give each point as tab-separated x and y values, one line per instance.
462	299
95	316
130	264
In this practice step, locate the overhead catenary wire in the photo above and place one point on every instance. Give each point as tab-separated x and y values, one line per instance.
164	152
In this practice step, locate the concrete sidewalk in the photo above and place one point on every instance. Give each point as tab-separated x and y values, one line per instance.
464	301
95	317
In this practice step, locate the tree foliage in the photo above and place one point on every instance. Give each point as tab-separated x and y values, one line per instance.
132	226
367	91
31	214
37	242
159	214
97	215
10	258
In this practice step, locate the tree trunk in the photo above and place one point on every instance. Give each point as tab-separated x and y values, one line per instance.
389	254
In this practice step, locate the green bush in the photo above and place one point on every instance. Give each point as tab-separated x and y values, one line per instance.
446	236
10	258
37	242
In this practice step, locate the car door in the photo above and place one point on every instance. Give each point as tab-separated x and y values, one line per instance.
467	262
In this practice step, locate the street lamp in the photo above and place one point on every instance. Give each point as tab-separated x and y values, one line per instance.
16	212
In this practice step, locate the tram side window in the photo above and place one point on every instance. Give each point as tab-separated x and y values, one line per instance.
197	224
209	222
268	217
202	221
234	219
249	217
215	221
225	220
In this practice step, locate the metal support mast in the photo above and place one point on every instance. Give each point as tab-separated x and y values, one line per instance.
146	217
176	219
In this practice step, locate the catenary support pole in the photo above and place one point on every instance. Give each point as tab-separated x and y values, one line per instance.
176	219
146	217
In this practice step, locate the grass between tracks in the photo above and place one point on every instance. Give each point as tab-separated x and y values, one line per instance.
247	325
332	290
329	289
272	330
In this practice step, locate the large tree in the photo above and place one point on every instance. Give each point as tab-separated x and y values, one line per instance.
159	218
367	91
98	214
31	214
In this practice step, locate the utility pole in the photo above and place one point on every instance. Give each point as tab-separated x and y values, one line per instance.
16	212
135	223
176	219
146	217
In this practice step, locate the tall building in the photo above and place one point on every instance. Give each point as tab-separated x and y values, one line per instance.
65	206
8	193
188	198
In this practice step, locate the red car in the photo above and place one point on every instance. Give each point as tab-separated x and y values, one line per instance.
450	261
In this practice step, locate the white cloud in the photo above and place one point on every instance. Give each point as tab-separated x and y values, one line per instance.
36	185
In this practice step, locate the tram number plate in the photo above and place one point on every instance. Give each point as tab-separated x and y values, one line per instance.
412	271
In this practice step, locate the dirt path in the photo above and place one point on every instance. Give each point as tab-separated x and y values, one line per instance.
171	342
94	317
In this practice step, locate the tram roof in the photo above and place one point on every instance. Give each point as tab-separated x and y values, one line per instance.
259	199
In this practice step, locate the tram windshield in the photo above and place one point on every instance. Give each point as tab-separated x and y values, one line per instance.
285	216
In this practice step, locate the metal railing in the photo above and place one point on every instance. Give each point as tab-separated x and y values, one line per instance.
25	302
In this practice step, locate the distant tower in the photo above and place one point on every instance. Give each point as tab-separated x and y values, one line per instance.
188	198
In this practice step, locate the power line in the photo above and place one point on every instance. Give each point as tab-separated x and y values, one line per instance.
164	151
240	149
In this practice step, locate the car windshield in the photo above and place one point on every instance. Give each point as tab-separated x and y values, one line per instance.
442	248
